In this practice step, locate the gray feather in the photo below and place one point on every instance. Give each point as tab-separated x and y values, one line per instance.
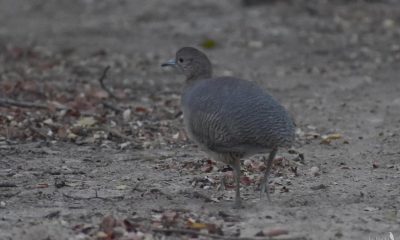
227	114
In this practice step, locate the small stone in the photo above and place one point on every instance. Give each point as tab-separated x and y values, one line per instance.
126	115
388	23
118	232
247	163
370	209
175	136
314	171
125	145
255	44
2	204
101	235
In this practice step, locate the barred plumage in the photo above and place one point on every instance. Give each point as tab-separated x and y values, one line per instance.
230	118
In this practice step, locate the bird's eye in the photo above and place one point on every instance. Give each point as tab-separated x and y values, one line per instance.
180	60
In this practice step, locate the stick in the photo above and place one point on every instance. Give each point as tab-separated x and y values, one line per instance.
6	102
115	133
8	184
94	197
215	236
103	86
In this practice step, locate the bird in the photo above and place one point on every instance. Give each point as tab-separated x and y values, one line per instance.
230	118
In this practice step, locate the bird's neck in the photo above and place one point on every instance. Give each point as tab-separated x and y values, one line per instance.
198	77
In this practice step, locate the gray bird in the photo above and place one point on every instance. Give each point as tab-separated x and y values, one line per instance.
230	118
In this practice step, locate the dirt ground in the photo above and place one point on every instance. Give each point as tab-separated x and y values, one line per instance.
333	64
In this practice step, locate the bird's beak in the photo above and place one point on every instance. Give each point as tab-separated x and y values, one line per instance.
171	62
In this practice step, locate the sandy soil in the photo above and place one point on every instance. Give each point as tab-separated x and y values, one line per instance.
333	64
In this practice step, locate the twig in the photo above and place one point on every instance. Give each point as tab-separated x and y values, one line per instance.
197	194
115	132
112	107
178	114
94	197
103	86
6	102
38	131
8	184
215	236
10	195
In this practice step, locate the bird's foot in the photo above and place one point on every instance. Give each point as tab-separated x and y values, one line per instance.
222	184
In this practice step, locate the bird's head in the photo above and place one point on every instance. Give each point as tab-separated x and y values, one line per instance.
192	63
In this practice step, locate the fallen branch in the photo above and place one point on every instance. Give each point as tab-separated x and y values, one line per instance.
215	236
103	86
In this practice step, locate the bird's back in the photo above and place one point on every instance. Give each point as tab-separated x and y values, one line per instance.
227	114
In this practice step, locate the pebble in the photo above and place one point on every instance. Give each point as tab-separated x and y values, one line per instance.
314	171
126	115
255	44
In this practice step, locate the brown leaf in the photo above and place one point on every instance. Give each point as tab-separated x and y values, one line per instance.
207	168
196	225
212	228
108	224
130	226
327	139
254	166
141	110
98	93
245	180
42	185
229	178
168	218
85	122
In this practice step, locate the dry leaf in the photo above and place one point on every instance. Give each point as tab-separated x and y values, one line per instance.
212	228
85	122
121	187
101	235
42	185
209	43
245	180
108	224
197	225
327	139
141	110
168	218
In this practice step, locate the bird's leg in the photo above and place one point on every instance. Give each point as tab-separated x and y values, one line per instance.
268	163
236	167
222	183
